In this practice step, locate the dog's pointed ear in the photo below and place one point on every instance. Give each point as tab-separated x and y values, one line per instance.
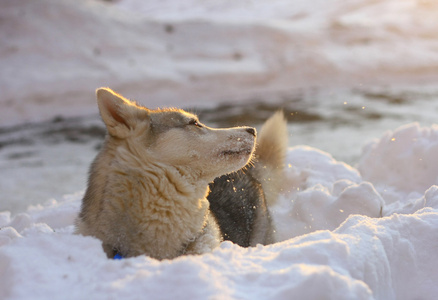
120	115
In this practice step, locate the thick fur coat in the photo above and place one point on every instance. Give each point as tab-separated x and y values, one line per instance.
148	186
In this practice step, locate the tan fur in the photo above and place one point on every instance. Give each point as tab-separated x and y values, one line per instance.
148	185
270	155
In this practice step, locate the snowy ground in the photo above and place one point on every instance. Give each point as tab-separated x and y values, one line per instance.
340	237
346	73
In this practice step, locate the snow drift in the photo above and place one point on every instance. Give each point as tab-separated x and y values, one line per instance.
54	52
334	242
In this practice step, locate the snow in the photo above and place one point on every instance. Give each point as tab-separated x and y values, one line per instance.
199	52
413	175
323	192
365	231
333	242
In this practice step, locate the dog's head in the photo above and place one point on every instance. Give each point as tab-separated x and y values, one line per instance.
174	137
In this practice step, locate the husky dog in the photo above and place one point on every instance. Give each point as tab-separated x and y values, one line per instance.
148	186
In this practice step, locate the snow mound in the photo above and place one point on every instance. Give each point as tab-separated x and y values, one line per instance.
333	241
365	258
402	165
321	193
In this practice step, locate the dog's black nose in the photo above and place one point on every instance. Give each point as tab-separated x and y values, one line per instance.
251	131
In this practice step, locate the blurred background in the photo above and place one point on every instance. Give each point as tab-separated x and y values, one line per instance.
343	71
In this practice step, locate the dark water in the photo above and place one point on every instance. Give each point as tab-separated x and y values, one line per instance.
334	107
339	121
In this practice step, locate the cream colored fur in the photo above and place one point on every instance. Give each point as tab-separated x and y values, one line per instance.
148	185
271	149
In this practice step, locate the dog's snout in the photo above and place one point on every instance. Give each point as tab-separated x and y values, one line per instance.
251	131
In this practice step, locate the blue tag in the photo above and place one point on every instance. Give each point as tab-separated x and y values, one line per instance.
118	256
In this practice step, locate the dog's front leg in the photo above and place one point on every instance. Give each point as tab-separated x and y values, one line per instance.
208	239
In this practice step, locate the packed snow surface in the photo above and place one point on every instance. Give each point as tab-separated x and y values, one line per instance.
339	237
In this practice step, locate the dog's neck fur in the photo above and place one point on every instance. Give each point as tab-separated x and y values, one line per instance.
151	208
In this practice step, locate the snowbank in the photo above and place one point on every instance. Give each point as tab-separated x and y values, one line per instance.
333	241
363	259
320	193
54	52
402	165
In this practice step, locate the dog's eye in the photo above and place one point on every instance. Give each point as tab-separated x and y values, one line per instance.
195	122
